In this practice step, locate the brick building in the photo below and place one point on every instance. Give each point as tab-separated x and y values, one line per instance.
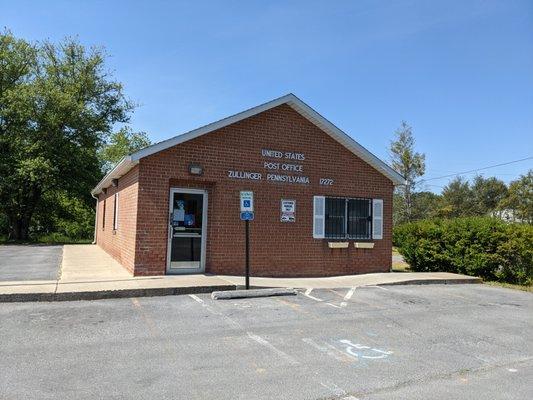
323	203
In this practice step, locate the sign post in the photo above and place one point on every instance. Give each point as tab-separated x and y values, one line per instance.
247	215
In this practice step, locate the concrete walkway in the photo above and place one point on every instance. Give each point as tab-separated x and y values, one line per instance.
87	272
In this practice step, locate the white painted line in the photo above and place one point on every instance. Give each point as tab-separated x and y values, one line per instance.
308	294
342	352
228	320
338	391
379	287
333	305
199	300
338	357
512	370
269	345
349	294
344	304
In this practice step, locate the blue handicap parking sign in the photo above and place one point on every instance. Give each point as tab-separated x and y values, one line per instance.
247	216
246	203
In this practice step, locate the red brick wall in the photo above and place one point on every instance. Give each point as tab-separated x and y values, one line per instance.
277	249
119	243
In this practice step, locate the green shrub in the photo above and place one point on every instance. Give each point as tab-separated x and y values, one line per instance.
480	246
3	225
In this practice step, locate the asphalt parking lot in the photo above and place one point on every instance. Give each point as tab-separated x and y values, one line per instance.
397	342
29	262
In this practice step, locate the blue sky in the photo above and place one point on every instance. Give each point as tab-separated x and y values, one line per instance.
459	72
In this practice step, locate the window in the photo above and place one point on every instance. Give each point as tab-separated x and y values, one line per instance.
348	218
103	216
359	212
115	213
345	218
335	221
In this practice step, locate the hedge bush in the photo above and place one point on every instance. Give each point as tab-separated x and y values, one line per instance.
480	246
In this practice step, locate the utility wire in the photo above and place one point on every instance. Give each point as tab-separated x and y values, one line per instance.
474	170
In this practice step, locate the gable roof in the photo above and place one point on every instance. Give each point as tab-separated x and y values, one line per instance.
128	162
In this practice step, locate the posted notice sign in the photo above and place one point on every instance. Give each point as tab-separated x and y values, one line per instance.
288	210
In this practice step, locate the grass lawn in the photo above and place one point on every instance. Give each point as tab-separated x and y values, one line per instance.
398	264
525	288
52	238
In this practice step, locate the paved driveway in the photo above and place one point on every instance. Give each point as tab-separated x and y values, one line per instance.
29	262
400	342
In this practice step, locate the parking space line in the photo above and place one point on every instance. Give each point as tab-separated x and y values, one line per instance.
375	286
199	300
337	355
349	294
227	319
152	327
270	346
308	294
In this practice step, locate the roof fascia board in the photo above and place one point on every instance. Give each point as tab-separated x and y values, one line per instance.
209	128
298	105
118	170
346	140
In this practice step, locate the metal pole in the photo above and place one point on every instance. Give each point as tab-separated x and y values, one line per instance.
247	244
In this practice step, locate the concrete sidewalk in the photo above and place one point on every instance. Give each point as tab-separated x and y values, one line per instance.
87	273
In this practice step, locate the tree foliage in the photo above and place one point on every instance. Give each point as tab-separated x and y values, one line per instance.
410	164
121	144
57	106
519	199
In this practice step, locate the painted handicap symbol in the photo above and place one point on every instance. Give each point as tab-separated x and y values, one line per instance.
361	351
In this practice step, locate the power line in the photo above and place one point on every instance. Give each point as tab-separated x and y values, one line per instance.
475	170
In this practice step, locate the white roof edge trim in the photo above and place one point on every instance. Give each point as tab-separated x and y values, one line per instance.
121	169
165	144
298	105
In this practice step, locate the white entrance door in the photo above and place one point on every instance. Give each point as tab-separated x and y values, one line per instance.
187	231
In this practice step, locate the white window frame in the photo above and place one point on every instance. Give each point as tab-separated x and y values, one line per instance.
115	212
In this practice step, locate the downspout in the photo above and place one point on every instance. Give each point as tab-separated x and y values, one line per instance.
95	218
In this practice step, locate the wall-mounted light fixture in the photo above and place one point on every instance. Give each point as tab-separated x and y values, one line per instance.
195	169
114	182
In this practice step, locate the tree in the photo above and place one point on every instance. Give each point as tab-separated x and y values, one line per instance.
57	106
425	205
487	193
457	200
408	163
520	198
121	144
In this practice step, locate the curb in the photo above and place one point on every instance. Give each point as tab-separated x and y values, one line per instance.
109	294
433	282
243	294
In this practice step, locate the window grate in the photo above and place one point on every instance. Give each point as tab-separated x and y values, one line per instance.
348	218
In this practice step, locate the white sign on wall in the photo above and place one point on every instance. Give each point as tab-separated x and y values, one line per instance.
288	210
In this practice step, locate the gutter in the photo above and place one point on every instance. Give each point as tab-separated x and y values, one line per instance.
95	218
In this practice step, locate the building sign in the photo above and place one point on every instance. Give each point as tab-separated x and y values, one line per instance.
288	210
280	170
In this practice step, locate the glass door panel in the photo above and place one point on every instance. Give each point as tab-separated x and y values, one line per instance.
186	230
